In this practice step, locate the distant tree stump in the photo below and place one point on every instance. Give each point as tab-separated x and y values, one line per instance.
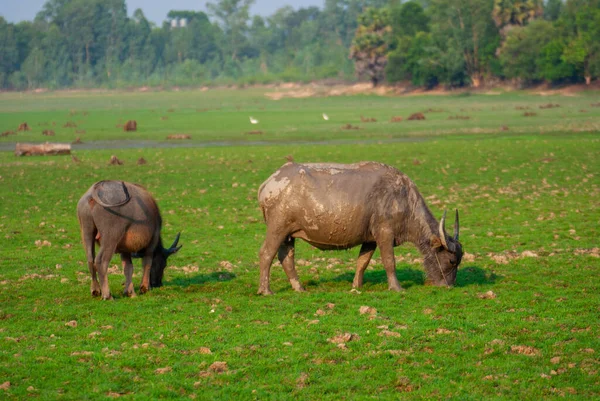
31	149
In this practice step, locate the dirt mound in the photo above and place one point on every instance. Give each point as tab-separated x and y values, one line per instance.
130	125
417	116
114	161
141	161
23	127
7	133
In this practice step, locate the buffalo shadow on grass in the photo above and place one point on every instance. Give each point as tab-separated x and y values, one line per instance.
198	279
408	277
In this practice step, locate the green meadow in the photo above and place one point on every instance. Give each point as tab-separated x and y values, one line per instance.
522	322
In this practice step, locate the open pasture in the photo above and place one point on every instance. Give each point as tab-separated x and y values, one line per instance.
521	323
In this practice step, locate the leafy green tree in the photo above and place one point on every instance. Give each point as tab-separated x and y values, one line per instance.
581	25
233	16
411	45
463	30
522	52
9	53
552	64
553	9
369	48
408	19
417	59
34	68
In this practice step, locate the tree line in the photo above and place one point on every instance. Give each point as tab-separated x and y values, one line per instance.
93	43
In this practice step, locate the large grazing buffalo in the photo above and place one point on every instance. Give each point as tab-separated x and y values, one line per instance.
339	206
123	218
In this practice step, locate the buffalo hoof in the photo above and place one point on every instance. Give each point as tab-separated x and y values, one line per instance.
130	294
264	291
396	289
95	293
109	298
143	289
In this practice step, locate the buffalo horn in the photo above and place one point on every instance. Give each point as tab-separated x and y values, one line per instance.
442	230
174	248
456	226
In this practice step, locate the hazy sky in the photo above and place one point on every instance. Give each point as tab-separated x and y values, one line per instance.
155	10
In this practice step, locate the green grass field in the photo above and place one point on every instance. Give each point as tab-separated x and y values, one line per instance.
521	323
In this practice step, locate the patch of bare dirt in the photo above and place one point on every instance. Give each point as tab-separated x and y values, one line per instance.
349	126
7	133
344	338
254	132
179	136
219	367
364	310
396	119
162	371
529	114
367	119
524	350
141	161
302	381
487	295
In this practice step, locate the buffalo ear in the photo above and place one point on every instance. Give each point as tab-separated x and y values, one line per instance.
435	242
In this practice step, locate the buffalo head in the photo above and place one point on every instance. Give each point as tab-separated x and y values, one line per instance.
446	253
159	261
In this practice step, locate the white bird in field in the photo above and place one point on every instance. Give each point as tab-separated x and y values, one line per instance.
325	117
253	120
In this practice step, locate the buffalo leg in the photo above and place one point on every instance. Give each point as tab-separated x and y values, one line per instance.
147	264
386	247
286	258
267	252
364	257
89	238
102	260
128	290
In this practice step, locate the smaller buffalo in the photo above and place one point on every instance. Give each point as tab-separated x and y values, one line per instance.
122	218
340	206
